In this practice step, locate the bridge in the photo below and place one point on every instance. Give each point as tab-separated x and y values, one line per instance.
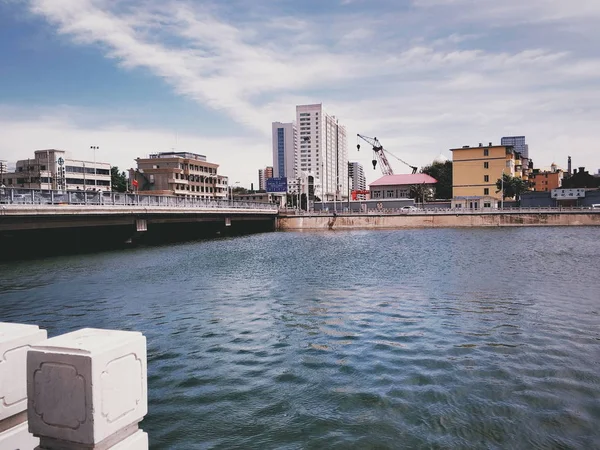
32	220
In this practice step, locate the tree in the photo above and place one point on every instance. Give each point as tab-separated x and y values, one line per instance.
421	193
513	186
118	180
442	172
580	179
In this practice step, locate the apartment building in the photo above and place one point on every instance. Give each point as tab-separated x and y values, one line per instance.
182	174
285	148
475	171
546	180
263	176
262	183
356	172
323	150
52	169
518	143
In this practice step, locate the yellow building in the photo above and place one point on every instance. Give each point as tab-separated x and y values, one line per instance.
475	171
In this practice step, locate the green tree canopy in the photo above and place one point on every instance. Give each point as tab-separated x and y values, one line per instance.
513	186
442	172
421	193
118	180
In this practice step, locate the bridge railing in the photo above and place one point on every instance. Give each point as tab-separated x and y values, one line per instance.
439	211
15	196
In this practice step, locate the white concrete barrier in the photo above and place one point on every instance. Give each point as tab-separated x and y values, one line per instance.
88	390
15	341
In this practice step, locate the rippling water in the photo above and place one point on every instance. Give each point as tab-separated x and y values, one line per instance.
483	338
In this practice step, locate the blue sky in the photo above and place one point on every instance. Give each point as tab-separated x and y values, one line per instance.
136	77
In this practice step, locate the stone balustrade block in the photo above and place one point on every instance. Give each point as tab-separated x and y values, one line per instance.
87	386
15	341
18	438
137	441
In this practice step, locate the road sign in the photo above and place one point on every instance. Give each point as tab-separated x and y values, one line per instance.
562	194
277	184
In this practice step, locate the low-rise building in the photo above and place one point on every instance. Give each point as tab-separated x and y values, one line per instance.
258	197
182	174
52	169
547	180
400	186
475	171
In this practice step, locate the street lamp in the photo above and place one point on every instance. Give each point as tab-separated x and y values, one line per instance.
502	189
94	148
231	192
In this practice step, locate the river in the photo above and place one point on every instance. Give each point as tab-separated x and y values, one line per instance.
445	338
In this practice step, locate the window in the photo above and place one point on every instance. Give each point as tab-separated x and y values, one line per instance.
486	178
486	152
486	165
486	191
389	194
487	205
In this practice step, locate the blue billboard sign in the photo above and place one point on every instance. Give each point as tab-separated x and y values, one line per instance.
277	184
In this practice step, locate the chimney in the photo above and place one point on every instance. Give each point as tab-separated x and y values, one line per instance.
491	144
480	144
252	187
569	165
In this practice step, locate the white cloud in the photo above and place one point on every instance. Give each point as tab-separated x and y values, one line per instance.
120	144
422	80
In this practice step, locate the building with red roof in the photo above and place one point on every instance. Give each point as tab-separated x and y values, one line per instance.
399	186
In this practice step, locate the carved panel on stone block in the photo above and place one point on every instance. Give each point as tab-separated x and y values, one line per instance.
13	376
59	395
122	387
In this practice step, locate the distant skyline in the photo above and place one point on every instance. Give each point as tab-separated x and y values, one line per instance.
138	77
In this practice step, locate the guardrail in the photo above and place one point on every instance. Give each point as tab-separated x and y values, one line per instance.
12	196
441	211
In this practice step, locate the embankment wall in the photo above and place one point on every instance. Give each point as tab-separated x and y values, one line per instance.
437	221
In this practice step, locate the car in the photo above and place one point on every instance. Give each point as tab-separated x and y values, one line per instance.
408	209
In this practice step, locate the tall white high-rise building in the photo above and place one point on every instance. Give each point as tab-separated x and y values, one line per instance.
323	150
285	148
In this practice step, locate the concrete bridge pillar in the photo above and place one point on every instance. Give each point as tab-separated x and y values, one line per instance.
15	341
88	390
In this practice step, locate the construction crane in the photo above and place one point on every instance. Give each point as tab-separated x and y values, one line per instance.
379	155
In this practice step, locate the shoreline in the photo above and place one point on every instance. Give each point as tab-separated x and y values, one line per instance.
437	220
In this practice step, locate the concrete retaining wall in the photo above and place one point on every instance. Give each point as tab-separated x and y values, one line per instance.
438	221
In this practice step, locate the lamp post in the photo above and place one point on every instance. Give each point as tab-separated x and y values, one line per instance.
94	148
231	192
502	190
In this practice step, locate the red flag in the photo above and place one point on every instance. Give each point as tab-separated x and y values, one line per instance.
134	183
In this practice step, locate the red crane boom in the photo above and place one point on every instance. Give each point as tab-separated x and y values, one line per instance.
379	156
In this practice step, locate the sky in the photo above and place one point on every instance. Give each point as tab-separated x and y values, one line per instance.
135	77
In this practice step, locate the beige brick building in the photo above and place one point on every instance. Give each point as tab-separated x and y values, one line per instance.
182	174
